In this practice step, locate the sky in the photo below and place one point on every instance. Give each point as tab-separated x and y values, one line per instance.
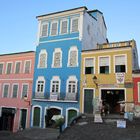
19	26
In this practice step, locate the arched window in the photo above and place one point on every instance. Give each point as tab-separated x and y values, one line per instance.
73	57
57	58
42	63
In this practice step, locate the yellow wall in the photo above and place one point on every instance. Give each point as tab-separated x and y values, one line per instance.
104	79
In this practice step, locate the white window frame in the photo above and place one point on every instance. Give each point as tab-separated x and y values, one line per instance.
19	68
55	51
42	52
40	78
2	67
7	67
55	78
51	28
99	63
25	67
3	90
17	90
27	89
85	64
73	18
73	48
125	61
72	78
61	26
138	84
41	28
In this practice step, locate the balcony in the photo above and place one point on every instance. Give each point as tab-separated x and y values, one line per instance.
63	97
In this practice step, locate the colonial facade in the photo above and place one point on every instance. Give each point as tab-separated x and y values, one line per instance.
106	74
16	76
61	38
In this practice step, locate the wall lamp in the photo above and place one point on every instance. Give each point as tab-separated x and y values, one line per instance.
26	100
95	81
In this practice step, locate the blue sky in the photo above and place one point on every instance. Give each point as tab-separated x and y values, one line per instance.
18	23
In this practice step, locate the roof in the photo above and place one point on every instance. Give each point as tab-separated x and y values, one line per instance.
17	53
62	11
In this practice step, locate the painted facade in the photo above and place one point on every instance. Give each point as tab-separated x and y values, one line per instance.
16	77
61	38
106	75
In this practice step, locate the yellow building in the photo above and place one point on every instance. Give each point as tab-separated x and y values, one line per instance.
106	75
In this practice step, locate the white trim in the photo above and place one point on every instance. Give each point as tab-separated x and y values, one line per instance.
38	32
3	90
125	61
59	101
56	50
17	90
45	111
2	67
41	27
81	26
43	51
19	68
40	78
99	63
93	89
33	115
58	40
54	21
71	20
22	90
138	84
70	108
57	107
25	65
84	64
7	67
62	20
73	48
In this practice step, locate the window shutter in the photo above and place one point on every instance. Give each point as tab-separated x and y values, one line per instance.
57	59
119	60
73	58
54	28
104	61
64	27
74	25
89	62
44	29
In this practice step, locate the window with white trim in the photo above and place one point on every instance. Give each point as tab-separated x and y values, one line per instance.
27	67
73	57
15	91
42	63
104	65
89	65
24	90
64	26
17	68
74	24
54	28
71	88
120	63
5	90
57	58
40	85
1	68
44	29
9	68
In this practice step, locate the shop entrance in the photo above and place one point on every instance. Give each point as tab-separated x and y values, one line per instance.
49	114
112	98
7	119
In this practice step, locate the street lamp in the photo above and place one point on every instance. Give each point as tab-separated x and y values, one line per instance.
95	81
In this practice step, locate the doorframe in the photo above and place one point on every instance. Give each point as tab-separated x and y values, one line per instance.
84	97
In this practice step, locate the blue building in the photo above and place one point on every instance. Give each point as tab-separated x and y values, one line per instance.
61	38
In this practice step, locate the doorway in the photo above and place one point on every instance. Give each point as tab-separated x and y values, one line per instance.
88	101
112	97
23	117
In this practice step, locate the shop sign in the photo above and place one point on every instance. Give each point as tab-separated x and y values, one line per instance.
120	78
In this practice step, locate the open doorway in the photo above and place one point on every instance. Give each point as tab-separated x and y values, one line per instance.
112	98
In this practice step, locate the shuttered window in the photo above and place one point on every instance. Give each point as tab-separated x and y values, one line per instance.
44	29
17	69
64	26
1	68
54	28
89	65
6	91
104	65
74	25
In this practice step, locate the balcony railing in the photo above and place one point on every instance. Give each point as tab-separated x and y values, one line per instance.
56	96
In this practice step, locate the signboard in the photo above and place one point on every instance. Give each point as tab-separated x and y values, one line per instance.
121	124
120	78
53	97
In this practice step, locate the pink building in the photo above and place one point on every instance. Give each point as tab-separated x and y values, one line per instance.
16	78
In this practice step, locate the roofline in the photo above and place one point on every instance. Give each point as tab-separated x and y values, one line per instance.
17	53
62	11
105	48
